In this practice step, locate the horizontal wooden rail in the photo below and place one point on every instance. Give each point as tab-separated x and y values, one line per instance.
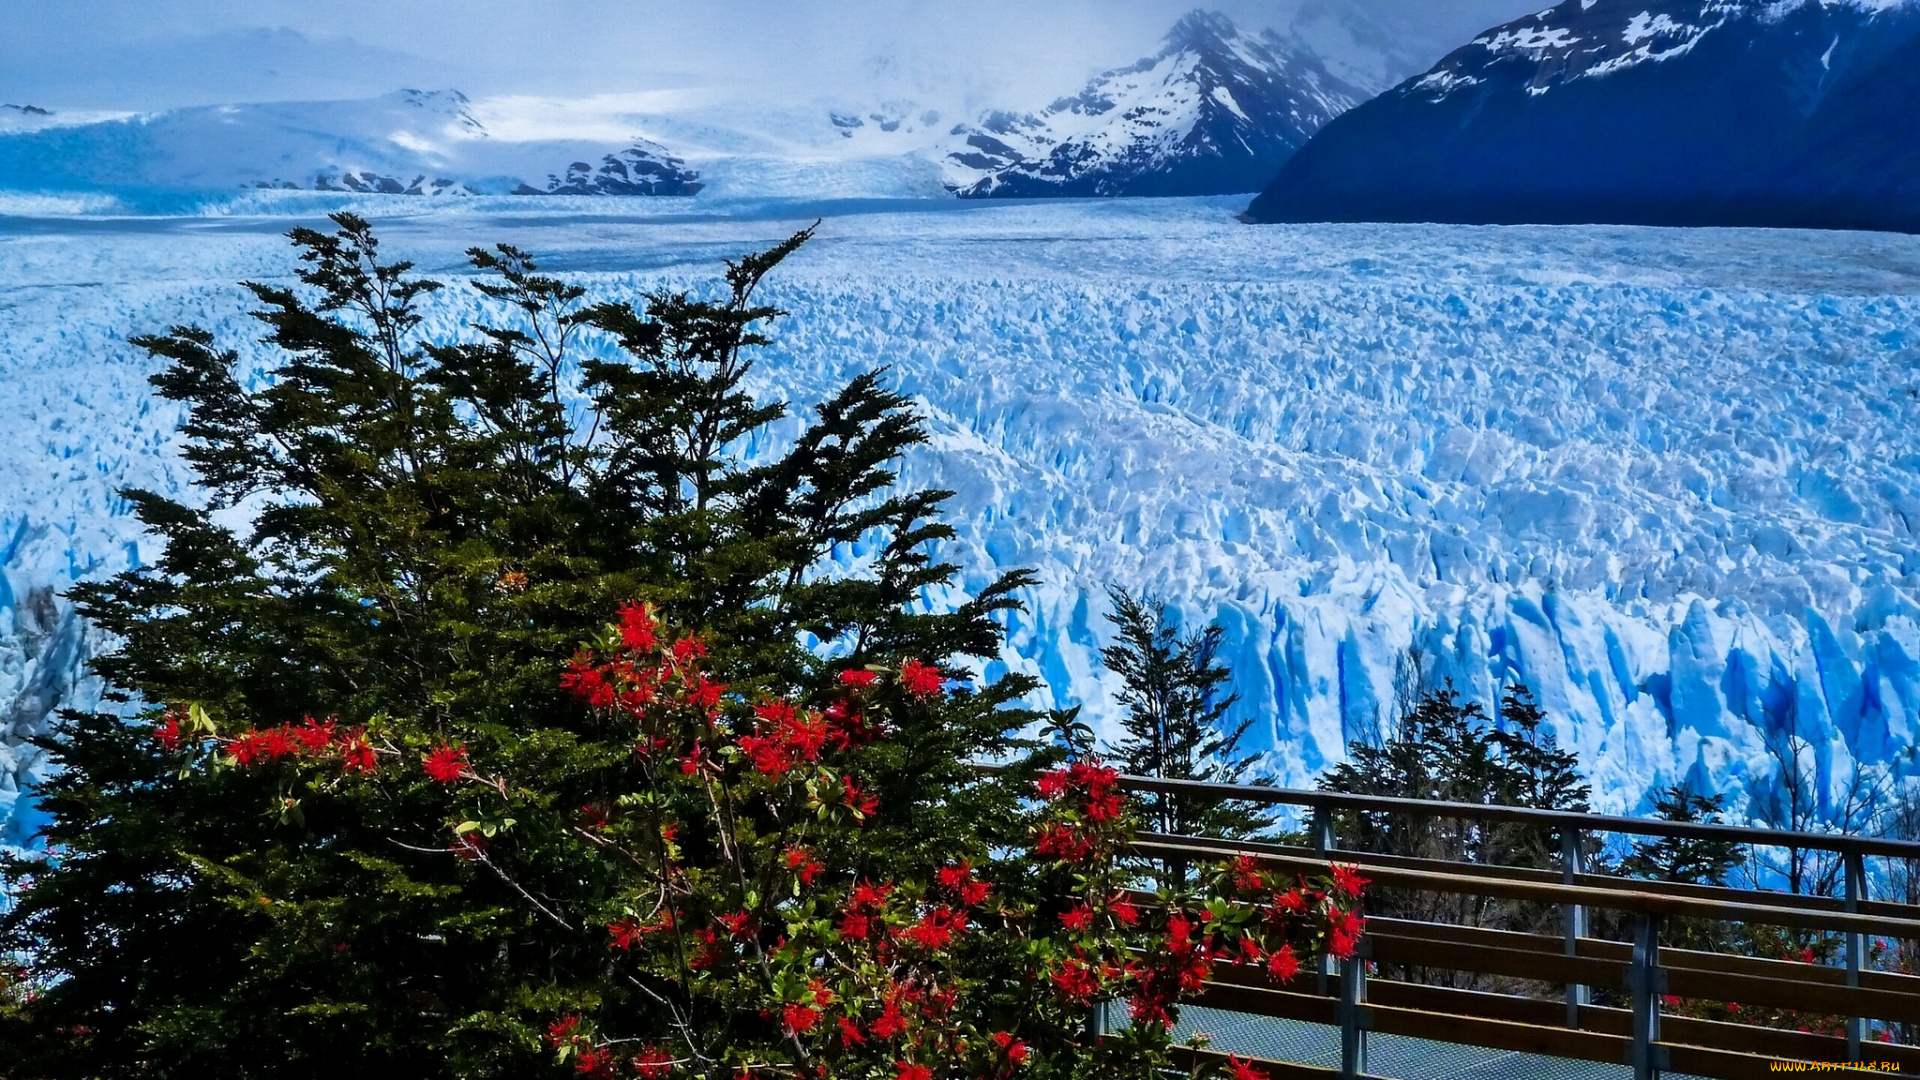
1502	1022
1719	894
1520	815
1669	957
1612	899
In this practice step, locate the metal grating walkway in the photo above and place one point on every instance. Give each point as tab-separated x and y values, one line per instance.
1394	1056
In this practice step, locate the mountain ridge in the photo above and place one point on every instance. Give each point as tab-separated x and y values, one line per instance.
1215	111
409	142
1686	113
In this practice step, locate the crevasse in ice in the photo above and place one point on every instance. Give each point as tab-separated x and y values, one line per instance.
1670	480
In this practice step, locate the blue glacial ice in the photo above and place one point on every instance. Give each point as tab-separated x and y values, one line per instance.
1669	479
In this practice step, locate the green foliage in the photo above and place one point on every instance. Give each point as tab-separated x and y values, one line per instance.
353	826
1684	859
1174	690
434	526
1449	750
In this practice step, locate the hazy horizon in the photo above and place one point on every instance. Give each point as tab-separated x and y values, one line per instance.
122	55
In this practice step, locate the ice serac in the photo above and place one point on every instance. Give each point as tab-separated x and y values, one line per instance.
1215	111
1779	113
1669	479
411	142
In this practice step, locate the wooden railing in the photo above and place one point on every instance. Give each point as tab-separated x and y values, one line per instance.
1638	971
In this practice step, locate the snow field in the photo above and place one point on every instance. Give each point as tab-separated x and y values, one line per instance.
1669	479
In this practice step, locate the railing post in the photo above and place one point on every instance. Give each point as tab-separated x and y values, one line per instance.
1353	1034
1647	982
1323	845
1856	946
1573	862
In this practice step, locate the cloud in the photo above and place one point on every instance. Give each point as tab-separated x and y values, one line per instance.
139	55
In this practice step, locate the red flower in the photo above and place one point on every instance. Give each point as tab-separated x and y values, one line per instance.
850	1033
561	1031
1015	1050
167	732
861	803
1291	901
1246	873
446	763
921	680
1282	965
737	923
594	1062
709	952
890	1024
469	846
858	678
587	682
1343	934
1122	909
1244	1070
799	1019
314	735
804	866
955	877
1348	882
705	694
937	927
356	754
1076	981
868	895
1142	1008
1063	842
592	818
688	649
912	1071
692	761
1053	784
265	744
639	630
784	738
653	1063
854	927
625	932
1077	918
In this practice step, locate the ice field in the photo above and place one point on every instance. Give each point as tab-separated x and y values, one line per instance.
1669	479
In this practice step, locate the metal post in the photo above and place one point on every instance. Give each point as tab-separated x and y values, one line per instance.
1573	862
1322	828
1856	947
1323	845
1647	983
1353	1033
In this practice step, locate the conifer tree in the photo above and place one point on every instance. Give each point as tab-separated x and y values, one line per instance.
1174	690
1446	749
435	526
1685	859
1537	774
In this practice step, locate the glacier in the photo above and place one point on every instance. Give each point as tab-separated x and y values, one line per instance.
1668	478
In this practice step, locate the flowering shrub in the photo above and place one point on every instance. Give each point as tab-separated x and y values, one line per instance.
774	943
771	940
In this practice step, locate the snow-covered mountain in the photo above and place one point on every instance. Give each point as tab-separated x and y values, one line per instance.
1680	112
24	117
410	142
1215	111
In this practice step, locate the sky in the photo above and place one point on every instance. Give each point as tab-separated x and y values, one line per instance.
140	55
